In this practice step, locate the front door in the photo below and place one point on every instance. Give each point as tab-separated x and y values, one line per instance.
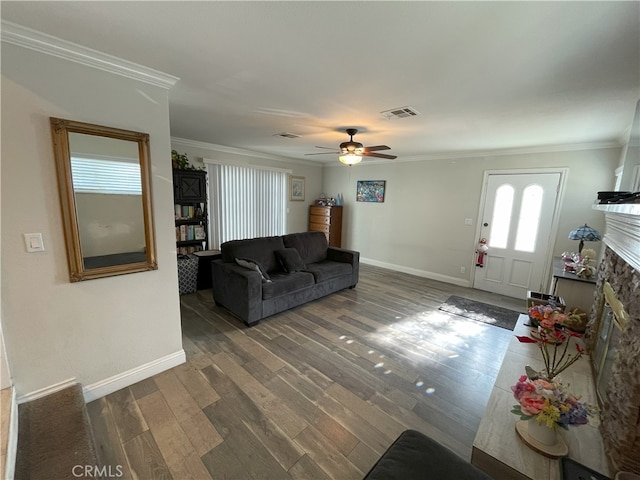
517	219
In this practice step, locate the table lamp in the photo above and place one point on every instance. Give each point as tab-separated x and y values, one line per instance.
584	233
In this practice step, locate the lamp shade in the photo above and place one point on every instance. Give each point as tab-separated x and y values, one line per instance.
350	159
584	233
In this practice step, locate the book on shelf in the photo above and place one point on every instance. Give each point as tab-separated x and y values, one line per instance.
190	249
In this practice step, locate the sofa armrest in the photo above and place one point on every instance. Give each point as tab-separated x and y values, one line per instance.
238	289
346	256
414	456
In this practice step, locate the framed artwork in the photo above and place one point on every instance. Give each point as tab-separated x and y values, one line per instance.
370	191
296	189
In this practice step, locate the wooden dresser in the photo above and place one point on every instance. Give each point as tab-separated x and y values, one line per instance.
327	220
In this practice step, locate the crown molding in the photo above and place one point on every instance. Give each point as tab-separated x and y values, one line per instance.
456	155
239	151
41	42
515	151
416	158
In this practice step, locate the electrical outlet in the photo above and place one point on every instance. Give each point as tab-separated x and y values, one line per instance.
463	270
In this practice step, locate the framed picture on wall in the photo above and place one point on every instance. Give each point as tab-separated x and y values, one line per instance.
296	189
370	191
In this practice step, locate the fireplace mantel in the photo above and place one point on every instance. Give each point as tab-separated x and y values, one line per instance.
623	231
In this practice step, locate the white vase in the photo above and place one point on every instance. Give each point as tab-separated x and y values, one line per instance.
541	433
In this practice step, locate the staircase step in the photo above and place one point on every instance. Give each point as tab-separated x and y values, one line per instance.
54	438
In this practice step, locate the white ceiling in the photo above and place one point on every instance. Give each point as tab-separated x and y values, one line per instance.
484	75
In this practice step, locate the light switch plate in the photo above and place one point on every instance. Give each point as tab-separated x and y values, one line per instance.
33	242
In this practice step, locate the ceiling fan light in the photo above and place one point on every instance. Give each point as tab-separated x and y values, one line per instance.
350	159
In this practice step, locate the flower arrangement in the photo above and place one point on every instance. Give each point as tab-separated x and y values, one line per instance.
549	403
553	338
542	312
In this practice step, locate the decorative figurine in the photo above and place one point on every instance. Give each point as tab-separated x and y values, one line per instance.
481	251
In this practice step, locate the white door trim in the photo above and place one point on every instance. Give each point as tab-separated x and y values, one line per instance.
564	173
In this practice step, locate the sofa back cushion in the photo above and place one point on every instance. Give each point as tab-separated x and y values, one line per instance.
312	246
260	250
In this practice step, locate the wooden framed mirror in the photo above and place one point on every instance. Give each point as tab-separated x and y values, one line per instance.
104	177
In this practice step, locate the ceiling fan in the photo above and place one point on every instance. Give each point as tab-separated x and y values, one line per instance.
352	152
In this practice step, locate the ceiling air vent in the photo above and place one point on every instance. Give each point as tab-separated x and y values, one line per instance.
287	135
400	112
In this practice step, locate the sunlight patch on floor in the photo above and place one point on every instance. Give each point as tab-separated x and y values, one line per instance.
430	339
432	336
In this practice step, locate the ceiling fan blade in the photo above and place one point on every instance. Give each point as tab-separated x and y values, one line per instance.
376	147
322	153
326	148
380	155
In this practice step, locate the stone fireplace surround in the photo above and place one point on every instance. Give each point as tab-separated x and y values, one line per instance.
620	266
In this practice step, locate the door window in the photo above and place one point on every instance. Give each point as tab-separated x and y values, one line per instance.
501	221
529	220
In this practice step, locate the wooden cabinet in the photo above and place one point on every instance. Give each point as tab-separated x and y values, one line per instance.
189	186
190	204
327	220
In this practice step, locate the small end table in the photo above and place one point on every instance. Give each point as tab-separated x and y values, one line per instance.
205	258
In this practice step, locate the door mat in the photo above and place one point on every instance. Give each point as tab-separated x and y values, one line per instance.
481	312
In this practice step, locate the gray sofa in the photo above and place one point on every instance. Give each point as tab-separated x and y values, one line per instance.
414	456
259	277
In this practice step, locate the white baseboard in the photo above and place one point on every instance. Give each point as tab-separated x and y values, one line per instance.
418	273
12	440
112	384
43	392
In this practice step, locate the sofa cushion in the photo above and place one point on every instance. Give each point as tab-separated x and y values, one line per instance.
260	250
253	265
285	283
290	260
312	246
323	271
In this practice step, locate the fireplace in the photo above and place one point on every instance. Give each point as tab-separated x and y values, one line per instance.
611	323
613	338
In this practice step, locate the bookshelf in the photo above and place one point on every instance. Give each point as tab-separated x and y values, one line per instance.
190	210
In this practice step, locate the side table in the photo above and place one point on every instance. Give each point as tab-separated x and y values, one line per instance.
205	258
576	291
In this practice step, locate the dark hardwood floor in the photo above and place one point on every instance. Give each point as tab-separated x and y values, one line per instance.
316	392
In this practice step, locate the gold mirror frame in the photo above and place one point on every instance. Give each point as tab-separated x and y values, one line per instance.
77	272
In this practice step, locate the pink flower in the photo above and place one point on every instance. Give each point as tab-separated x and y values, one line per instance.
531	403
547	323
523	386
543	384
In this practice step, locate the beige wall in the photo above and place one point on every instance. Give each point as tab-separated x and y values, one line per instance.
298	212
420	225
56	330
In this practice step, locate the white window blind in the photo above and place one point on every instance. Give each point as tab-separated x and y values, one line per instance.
91	175
245	203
